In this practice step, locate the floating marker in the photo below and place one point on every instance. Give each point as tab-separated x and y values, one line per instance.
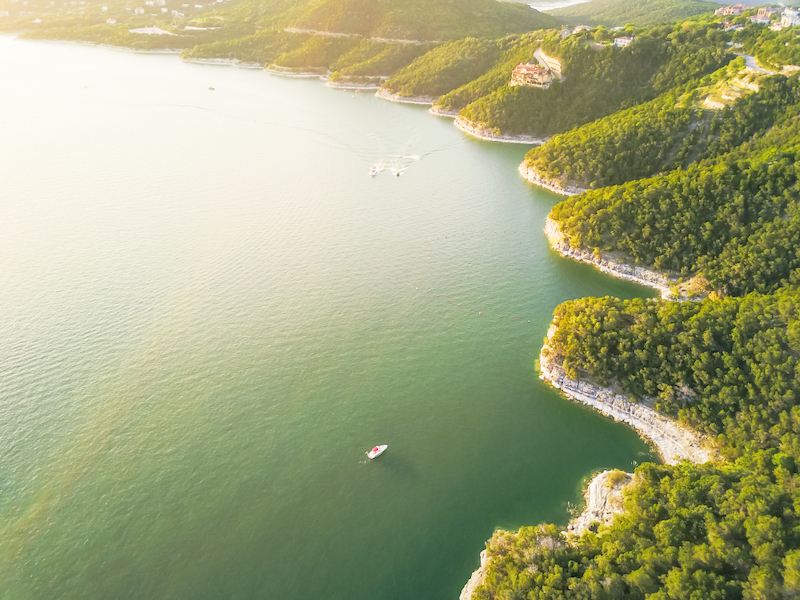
459	303
515	318
480	313
501	316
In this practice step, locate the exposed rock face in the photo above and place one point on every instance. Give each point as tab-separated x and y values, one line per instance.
443	112
484	133
387	95
639	275
320	73
673	441
476	579
532	175
603	500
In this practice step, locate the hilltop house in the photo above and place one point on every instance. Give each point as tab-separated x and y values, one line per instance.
623	41
790	17
531	75
734	10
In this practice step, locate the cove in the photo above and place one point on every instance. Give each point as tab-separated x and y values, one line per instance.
209	311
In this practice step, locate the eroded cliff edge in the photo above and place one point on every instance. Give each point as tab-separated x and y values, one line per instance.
669	287
673	441
559	187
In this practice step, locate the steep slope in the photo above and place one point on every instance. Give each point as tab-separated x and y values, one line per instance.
613	13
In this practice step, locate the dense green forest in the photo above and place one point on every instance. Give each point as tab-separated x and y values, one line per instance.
601	81
772	48
661	135
446	67
419	19
732	219
498	76
716	531
728	367
637	12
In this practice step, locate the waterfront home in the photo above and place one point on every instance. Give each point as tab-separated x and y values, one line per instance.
531	75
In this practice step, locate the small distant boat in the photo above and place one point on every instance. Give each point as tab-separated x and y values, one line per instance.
374	171
211	88
377	451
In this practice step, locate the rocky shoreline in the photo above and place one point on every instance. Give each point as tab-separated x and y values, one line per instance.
532	175
673	441
477	578
603	497
436	111
640	275
299	73
233	62
387	95
352	85
487	134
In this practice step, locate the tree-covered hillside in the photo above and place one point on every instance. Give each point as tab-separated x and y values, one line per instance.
613	13
419	19
446	67
664	134
716	531
733	219
602	80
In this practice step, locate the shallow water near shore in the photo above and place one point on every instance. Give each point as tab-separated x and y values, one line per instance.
209	311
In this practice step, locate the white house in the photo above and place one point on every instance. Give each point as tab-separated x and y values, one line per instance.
622	41
139	10
790	17
111	21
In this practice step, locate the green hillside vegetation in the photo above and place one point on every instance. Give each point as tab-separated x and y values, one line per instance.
601	82
256	31
446	67
661	135
716	531
641	13
521	51
727	367
422	19
317	52
772	48
733	219
375	59
263	47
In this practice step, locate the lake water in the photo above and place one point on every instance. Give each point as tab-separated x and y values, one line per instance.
209	311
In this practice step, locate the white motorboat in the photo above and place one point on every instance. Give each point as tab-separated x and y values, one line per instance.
377	451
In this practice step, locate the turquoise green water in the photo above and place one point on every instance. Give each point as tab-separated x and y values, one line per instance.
209	311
